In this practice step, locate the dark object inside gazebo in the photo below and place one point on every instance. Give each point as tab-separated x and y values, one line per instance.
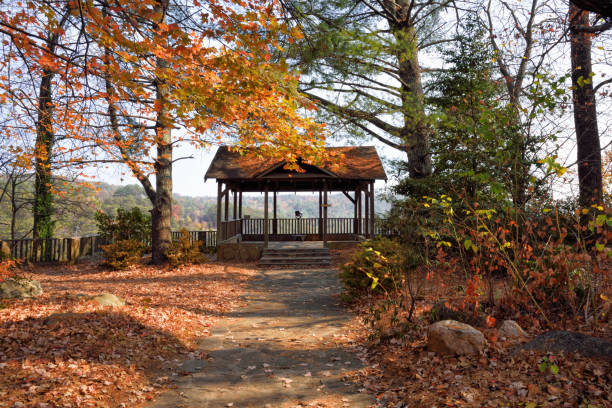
237	174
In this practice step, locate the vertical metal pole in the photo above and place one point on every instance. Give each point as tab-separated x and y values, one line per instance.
371	209
324	213
219	190
266	226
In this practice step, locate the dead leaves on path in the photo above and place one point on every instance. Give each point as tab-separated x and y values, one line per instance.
65	350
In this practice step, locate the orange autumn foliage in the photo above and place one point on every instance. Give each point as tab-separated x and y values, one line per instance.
226	82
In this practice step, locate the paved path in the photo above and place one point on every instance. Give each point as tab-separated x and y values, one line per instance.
281	350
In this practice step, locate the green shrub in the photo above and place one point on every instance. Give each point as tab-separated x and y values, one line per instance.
123	253
126	225
377	266
182	251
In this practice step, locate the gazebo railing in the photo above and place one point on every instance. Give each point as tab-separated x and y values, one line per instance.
253	229
229	229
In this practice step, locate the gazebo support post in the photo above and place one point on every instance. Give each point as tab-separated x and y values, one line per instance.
320	214
324	213
371	209
226	196
240	204
266	219
359	223
274	221
235	203
355	214
219	192
367	211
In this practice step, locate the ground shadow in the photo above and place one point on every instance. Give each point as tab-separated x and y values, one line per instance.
40	357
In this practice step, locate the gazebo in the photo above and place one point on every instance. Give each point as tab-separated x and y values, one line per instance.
237	174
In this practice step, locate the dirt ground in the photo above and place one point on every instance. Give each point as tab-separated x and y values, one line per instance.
289	346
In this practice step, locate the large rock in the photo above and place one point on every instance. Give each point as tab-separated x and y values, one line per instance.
108	299
453	337
555	341
20	288
511	330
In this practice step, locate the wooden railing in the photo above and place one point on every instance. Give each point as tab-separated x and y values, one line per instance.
286	228
207	238
70	250
52	249
230	229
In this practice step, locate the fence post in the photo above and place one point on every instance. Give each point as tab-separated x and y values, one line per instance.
74	249
201	236
5	250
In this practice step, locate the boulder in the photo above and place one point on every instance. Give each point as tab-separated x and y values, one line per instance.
511	330
20	288
108	299
453	337
569	342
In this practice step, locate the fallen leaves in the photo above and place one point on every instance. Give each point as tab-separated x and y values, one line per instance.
402	373
64	350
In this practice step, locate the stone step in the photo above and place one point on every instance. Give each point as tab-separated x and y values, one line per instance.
295	258
287	257
292	253
288	262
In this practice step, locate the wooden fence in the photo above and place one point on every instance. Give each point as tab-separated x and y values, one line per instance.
70	250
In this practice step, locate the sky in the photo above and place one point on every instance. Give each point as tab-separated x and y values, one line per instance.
188	174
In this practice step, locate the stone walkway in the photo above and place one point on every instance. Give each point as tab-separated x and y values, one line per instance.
281	350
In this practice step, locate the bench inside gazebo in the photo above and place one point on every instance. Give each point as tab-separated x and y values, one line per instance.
237	174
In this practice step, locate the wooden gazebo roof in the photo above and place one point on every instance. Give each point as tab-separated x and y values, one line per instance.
361	163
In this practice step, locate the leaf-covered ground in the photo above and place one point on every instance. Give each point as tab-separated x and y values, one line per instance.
62	349
402	373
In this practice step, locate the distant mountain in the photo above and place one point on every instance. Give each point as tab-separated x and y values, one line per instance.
76	206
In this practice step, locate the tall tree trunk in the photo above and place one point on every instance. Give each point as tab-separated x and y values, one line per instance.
161	215
14	208
45	138
585	113
416	131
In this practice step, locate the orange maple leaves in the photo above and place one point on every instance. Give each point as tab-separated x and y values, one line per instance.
222	68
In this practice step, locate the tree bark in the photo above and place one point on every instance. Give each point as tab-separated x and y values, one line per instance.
416	131
585	112
161	215
45	138
14	208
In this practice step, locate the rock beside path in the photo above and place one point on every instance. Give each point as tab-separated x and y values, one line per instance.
453	337
511	330
20	288
108	299
569	342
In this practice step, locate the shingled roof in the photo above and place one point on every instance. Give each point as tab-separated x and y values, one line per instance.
360	163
